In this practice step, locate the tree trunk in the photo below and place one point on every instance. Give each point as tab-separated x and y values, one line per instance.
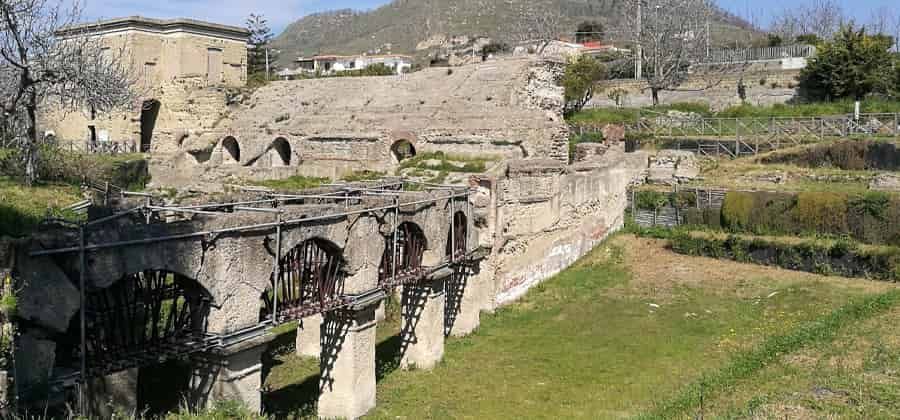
31	150
655	93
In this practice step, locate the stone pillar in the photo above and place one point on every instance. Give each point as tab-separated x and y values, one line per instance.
239	378
464	293
422	327
309	336
347	385
113	394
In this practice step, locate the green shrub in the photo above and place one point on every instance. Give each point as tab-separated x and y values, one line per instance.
879	263
737	210
821	212
650	200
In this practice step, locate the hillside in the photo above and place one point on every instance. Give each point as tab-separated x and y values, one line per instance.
406	23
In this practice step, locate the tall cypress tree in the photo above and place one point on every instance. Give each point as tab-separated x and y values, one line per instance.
260	37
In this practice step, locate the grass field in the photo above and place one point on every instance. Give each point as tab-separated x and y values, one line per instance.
630	331
748	173
21	208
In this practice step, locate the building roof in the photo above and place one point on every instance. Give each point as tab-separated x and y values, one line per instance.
158	26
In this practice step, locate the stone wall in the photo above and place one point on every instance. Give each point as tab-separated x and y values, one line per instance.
510	108
539	217
764	87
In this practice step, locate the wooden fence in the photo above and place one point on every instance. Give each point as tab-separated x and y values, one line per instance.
671	216
735	137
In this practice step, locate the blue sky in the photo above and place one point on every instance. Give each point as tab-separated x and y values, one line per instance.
282	12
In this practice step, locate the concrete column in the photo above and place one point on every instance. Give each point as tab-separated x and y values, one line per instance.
347	384
422	326
239	378
309	336
113	394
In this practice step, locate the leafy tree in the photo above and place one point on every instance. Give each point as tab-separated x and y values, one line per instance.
852	65
579	81
811	39
774	40
260	38
589	31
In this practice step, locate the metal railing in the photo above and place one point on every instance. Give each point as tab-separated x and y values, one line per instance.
744	55
748	136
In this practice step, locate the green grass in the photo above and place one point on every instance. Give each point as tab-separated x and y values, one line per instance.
852	376
600	116
448	163
296	182
23	208
745	364
366	175
587	343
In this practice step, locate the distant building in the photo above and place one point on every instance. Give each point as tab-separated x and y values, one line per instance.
181	65
329	64
594	48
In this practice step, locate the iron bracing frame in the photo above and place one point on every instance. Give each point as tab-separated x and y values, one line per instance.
401	262
310	281
101	353
143	318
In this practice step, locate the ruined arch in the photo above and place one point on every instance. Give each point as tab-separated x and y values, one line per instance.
456	236
149	114
311	281
402	149
231	151
144	324
407	262
281	155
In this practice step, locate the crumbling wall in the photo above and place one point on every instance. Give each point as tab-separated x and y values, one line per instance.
540	216
509	108
763	87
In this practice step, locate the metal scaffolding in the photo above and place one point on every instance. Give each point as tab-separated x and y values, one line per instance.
305	280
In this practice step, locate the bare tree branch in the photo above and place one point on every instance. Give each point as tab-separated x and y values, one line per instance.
42	65
674	39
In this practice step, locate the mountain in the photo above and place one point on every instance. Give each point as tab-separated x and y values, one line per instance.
404	24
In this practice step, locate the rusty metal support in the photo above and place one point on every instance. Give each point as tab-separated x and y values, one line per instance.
394	247
82	321
277	272
452	231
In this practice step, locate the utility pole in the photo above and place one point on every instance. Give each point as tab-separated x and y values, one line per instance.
639	50
268	77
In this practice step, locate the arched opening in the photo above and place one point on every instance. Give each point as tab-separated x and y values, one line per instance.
149	114
411	245
402	150
311	282
231	151
282	152
456	238
150	321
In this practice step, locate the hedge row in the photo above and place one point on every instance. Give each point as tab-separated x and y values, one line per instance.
840	257
846	155
868	217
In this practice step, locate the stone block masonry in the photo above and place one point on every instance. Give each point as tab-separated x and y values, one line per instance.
509	108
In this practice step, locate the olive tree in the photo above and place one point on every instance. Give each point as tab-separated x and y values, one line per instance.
47	59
